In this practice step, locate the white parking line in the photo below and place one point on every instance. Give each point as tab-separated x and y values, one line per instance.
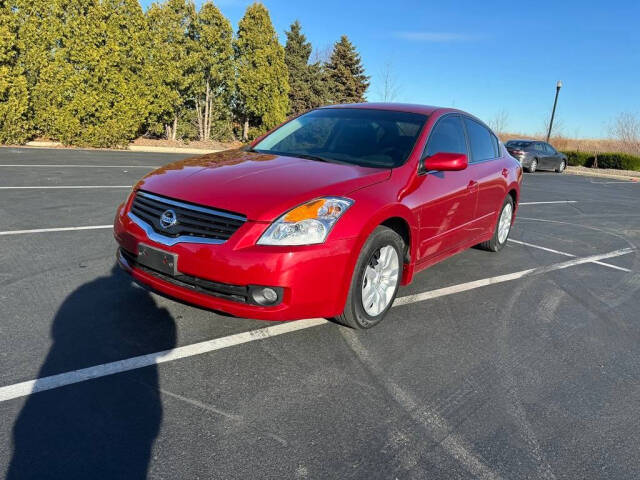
545	203
56	381
76	376
551	250
59	229
64	187
463	287
44	165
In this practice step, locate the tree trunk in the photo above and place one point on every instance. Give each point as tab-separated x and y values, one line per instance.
207	113
245	129
175	128
201	121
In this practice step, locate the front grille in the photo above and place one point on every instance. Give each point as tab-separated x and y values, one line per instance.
192	220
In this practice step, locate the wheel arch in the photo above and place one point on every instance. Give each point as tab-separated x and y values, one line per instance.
401	227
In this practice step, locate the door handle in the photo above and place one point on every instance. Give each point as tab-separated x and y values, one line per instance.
505	172
472	185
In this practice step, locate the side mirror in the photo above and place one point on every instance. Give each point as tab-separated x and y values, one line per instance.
445	162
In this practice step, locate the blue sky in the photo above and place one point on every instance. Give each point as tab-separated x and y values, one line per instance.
487	57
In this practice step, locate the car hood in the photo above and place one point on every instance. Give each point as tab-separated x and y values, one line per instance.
260	186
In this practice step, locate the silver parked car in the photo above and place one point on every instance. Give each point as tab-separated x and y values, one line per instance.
534	155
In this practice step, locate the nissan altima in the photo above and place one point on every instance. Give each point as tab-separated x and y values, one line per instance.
325	216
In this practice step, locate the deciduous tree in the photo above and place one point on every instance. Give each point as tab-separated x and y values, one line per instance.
262	77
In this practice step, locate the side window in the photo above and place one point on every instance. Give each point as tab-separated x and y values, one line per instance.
539	148
447	137
549	149
496	146
483	146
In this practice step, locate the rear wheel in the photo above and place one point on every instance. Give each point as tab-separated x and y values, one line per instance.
561	167
375	281
502	229
534	165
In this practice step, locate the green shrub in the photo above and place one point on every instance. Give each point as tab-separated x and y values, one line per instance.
615	160
621	161
577	159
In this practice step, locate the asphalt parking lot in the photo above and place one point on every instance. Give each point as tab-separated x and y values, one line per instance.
522	364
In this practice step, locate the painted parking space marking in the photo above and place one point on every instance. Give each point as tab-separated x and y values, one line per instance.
60	380
631	181
61	187
548	203
558	252
44	165
59	229
463	287
76	376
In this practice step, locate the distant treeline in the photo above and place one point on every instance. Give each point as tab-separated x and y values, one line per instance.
102	72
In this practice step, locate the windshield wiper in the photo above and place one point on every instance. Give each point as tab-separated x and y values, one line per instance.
310	157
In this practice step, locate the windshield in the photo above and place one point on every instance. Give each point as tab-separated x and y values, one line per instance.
365	137
518	144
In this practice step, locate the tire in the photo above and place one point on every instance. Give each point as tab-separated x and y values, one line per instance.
499	240
534	165
383	241
562	166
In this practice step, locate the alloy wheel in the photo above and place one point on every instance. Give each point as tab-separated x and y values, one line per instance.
504	225
380	280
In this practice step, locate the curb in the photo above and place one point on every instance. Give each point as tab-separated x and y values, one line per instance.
150	149
130	148
43	144
601	175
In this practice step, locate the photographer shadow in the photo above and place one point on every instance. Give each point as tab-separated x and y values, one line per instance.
102	428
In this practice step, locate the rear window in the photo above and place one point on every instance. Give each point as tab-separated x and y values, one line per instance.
518	144
481	140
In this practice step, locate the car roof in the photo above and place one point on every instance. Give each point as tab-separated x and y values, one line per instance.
523	140
398	107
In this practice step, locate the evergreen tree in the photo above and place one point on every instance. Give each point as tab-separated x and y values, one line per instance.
88	89
296	55
262	77
307	81
39	32
347	80
14	97
172	75
212	56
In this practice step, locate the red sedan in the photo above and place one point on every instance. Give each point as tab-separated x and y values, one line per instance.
326	216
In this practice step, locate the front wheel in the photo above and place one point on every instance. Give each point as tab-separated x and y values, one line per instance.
502	229
375	281
561	167
534	165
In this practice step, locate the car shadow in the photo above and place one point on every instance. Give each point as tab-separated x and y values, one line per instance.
102	428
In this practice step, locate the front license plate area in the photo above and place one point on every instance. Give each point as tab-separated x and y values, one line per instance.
156	259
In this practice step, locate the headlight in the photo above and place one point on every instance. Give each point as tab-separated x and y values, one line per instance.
306	224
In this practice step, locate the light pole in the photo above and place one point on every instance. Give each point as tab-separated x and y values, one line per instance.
553	112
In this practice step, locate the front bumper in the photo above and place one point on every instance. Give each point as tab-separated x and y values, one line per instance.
312	281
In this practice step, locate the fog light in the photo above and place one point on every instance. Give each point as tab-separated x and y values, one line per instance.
264	295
